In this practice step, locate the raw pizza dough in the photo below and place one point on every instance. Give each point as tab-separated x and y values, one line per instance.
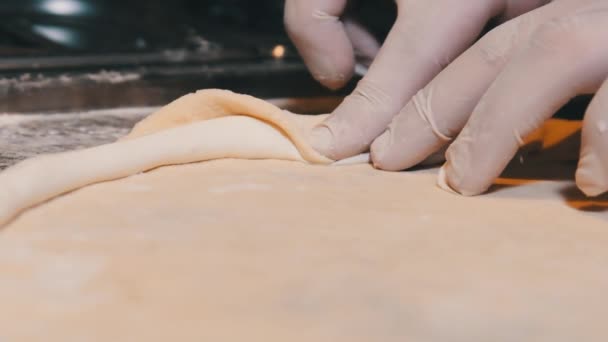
240	250
209	124
245	250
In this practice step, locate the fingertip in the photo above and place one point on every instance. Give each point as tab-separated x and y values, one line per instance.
333	67
442	181
457	172
321	139
590	176
447	181
319	35
331	80
592	172
378	151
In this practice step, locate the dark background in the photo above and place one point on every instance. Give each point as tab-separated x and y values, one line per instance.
128	25
167	48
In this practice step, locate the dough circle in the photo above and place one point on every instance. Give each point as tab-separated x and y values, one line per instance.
209	124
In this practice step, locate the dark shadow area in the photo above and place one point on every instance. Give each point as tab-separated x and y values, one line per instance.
557	162
534	164
535	170
579	201
527	174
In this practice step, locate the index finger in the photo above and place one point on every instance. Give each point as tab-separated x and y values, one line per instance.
415	50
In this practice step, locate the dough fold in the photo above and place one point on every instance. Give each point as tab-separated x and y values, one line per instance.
209	124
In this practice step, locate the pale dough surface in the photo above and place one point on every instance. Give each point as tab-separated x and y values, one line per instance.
237	250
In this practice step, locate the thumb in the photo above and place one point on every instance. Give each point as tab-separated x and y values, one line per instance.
315	28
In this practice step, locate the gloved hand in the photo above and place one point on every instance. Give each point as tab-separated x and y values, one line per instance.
328	40
431	85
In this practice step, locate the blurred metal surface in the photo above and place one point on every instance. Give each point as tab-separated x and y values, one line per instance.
152	85
73	55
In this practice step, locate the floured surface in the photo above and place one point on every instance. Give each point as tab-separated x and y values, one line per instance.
234	250
24	136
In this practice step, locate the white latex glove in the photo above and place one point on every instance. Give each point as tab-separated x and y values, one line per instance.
328	43
426	37
492	95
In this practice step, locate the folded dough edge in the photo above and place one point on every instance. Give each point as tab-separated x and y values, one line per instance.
184	131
